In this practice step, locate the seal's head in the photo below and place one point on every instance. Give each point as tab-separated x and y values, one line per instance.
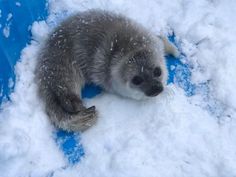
142	75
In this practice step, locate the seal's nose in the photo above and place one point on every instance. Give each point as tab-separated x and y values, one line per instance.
155	89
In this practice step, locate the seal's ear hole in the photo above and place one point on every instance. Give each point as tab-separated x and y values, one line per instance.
157	72
137	80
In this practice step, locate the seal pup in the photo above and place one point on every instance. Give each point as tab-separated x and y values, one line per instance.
104	48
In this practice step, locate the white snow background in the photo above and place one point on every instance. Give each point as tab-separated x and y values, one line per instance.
171	136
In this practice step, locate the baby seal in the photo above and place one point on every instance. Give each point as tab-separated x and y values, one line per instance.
103	48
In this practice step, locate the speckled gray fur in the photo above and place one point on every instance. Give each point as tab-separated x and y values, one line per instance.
102	48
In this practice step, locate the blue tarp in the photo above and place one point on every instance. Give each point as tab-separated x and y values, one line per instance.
15	20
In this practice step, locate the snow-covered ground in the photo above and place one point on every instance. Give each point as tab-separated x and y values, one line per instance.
173	135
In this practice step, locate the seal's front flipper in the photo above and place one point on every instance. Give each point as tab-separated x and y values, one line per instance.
169	47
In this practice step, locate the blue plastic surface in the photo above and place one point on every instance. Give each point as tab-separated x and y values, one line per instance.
181	73
17	16
23	13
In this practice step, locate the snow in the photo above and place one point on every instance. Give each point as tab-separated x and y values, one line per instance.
6	31
10	83
18	4
9	17
171	135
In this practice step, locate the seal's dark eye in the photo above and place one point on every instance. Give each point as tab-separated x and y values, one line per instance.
157	72
137	80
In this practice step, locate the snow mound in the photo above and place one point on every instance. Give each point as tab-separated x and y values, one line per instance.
175	134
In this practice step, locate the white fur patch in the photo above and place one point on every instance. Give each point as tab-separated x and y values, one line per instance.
124	89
